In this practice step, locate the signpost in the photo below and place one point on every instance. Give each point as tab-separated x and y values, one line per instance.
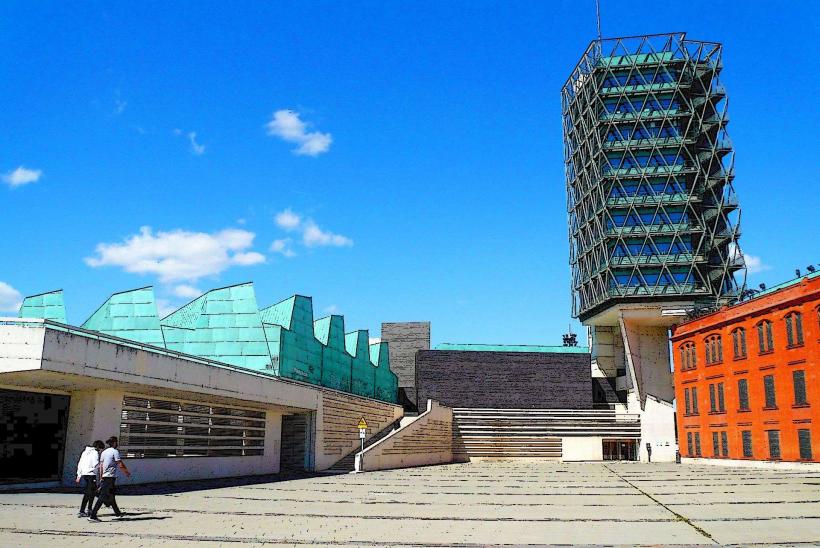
362	430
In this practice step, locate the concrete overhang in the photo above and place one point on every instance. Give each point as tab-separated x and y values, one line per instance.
655	314
42	358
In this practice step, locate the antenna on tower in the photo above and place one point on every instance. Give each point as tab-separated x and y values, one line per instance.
598	18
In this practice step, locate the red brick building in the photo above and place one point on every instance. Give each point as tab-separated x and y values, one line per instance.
746	377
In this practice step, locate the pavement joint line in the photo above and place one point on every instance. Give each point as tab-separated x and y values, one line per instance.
680	517
428	518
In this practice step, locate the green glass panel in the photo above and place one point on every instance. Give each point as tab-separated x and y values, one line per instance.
336	362
224	325
129	315
386	386
296	355
46	306
363	377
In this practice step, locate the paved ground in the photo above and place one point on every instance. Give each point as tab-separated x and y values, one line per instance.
466	504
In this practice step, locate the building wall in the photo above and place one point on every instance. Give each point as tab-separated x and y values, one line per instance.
97	374
405	339
531	380
96	415
787	417
337	432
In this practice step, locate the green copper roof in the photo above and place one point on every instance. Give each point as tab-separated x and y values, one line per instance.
46	306
226	325
789	283
130	315
514	348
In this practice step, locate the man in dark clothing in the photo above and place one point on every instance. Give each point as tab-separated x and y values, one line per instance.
109	462
88	468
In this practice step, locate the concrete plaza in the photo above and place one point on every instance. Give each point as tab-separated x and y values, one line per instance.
479	503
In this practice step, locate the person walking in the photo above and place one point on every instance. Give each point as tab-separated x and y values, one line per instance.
110	460
88	467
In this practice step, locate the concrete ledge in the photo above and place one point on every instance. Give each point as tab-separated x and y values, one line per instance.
764	464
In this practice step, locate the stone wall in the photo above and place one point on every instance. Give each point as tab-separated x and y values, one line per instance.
426	441
523	380
337	424
405	339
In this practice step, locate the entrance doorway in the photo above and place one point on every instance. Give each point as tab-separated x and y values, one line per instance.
32	436
296	454
620	449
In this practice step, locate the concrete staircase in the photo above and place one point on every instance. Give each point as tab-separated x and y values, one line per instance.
532	433
347	464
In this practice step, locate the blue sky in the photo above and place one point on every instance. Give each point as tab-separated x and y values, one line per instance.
420	167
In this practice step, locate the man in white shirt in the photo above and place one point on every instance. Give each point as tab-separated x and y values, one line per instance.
88	468
109	462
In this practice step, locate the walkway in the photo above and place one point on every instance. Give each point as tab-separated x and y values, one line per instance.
465	504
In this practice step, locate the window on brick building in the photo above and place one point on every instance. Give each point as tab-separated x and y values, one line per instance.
724	443
695	401
765	339
715	445
774	444
712	399
714	349
747	443
739	343
799	381
721	399
794	329
689	446
804	443
688	358
697	444
687	403
743	395
768	390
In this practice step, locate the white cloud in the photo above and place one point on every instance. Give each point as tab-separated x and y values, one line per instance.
283	247
754	264
313	236
164	307
187	291
248	259
332	309
22	176
288	220
10	298
179	255
119	106
374	340
196	148
287	125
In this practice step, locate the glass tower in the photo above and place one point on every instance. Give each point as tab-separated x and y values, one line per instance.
649	168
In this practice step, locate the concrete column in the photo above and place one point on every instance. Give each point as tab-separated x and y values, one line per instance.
652	392
92	415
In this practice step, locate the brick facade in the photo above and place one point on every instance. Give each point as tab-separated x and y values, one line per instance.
746	378
520	380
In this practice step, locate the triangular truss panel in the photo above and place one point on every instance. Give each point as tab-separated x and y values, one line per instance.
649	169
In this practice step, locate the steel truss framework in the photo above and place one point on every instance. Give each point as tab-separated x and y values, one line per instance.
649	170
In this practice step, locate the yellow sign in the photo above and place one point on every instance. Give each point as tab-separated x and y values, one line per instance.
362	423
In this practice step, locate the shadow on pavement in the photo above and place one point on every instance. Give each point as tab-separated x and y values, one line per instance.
172	487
